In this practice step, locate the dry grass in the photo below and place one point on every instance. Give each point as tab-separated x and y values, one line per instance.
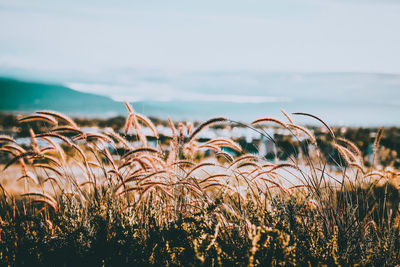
173	181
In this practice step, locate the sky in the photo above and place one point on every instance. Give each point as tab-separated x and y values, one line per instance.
208	35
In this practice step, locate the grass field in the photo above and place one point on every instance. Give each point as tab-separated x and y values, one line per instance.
99	199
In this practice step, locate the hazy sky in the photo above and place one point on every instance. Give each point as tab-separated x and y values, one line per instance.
207	35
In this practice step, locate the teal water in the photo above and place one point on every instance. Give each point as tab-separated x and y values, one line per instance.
351	99
354	99
346	114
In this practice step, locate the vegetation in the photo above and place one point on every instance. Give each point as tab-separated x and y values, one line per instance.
38	95
105	199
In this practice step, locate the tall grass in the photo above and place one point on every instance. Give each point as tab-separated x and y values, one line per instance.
105	199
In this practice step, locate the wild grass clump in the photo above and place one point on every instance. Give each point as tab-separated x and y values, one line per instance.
109	199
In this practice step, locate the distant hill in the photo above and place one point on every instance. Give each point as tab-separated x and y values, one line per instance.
24	96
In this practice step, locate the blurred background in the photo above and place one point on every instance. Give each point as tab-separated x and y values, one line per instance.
192	60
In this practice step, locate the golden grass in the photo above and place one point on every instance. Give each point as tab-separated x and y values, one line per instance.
170	175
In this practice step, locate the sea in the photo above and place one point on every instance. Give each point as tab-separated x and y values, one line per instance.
340	99
348	99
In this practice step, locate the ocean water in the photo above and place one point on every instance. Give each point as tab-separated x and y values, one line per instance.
349	99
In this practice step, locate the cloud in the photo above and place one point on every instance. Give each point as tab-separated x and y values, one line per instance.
286	35
161	92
